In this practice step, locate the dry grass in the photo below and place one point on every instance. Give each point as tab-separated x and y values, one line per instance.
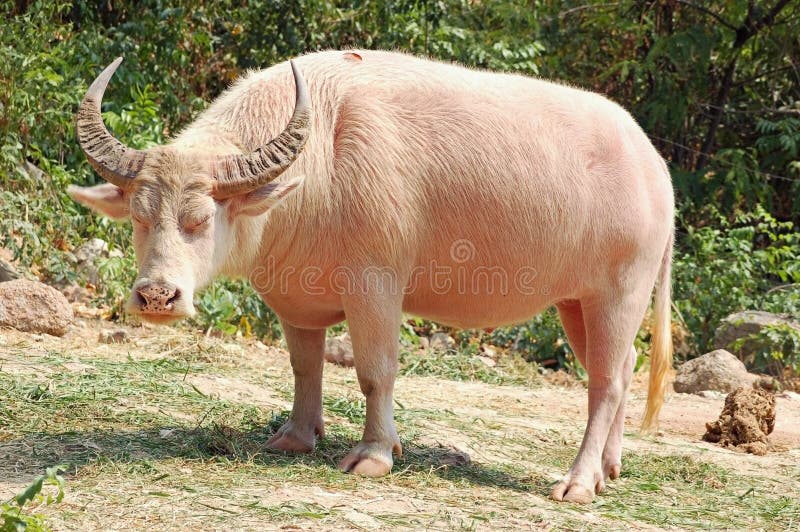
167	431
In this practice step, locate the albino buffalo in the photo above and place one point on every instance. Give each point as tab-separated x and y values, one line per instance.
472	198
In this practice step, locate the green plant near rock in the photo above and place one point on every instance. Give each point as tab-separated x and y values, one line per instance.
735	265
775	348
13	514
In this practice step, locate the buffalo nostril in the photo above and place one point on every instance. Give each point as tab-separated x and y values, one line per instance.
175	296
143	295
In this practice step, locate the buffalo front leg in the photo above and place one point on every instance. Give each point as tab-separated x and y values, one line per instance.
610	327
306	353
374	329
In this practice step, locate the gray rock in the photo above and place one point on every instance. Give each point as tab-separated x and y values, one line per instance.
87	256
91	250
32	306
742	324
7	272
718	370
31	171
442	342
119	336
339	350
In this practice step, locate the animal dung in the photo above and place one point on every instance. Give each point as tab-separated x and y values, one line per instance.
747	418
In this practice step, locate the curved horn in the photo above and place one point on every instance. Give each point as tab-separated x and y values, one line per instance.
115	162
238	174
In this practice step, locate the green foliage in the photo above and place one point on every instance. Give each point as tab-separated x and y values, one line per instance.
230	306
732	266
541	340
14	518
775	348
464	365
697	76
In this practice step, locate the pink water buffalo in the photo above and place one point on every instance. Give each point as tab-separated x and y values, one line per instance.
363	185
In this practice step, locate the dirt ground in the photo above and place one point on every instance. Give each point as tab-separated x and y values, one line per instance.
478	456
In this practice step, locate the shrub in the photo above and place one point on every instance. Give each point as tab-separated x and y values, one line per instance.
735	265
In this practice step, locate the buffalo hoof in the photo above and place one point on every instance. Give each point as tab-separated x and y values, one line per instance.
572	490
295	439
369	460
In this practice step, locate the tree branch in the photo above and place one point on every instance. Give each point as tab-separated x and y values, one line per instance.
710	13
748	29
763	74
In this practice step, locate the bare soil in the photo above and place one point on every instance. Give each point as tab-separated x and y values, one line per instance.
477	455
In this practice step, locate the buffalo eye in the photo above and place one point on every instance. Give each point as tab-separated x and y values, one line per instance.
196	225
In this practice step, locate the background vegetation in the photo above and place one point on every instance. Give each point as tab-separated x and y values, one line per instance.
715	84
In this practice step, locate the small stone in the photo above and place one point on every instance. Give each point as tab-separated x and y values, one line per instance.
31	306
119	336
91	250
76	294
87	255
260	345
488	351
711	394
442	342
455	457
339	350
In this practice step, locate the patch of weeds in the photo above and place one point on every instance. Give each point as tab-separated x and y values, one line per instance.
354	409
465	365
291	510
231	306
674	468
13	514
679	491
456	467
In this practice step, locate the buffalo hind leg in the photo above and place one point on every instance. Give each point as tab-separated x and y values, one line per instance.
572	320
610	325
374	325
306	353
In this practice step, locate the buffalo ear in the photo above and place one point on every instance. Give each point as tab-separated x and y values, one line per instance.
264	198
106	199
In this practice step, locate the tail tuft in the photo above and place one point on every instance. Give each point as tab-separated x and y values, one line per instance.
661	343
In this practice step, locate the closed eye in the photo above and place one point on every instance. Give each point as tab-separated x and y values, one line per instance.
196	225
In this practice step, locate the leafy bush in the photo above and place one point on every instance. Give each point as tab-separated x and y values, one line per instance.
13	518
731	266
775	348
229	306
541	339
